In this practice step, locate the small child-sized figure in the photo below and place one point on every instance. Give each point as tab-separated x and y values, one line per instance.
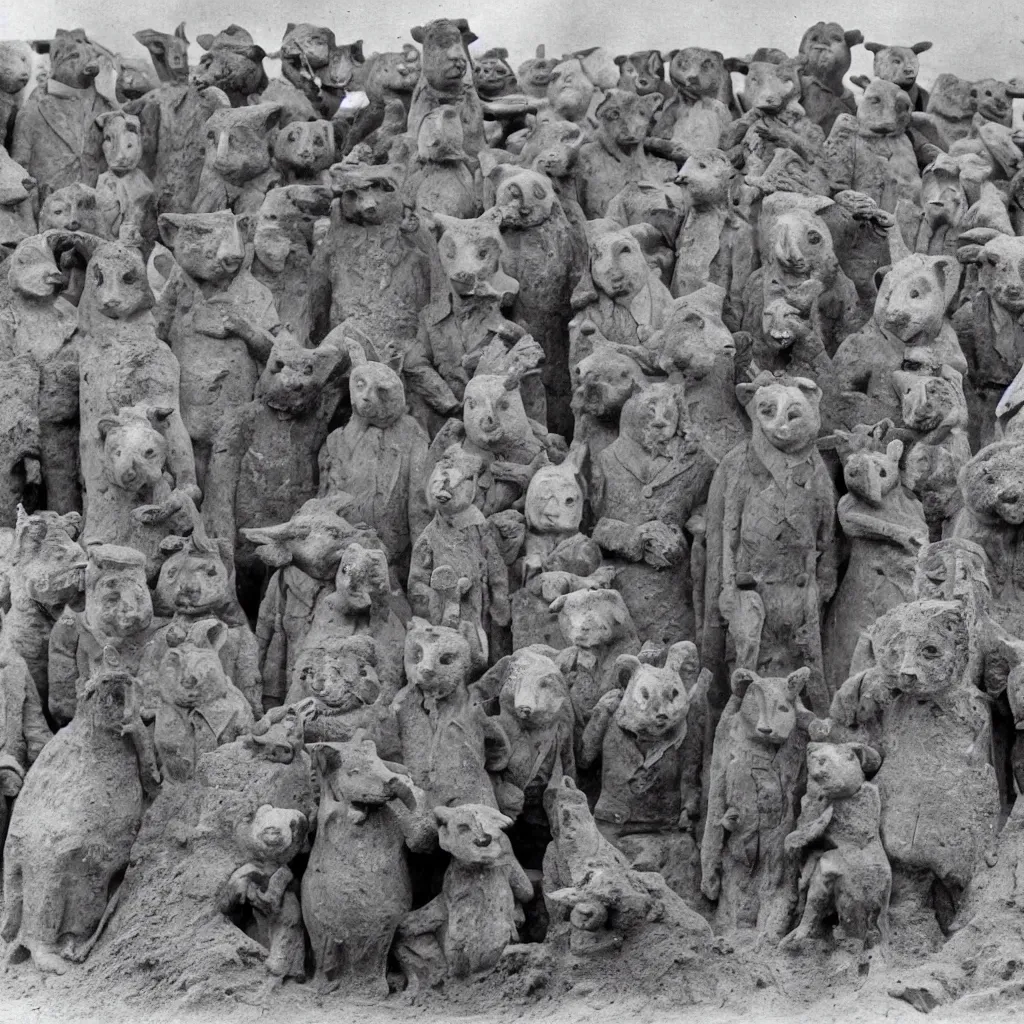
846	867
123	188
303	150
458	543
441	178
200	708
694	116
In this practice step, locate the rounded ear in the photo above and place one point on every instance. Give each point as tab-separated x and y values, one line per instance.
442	814
168	225
894	450
745	392
159	416
741	679
558	604
171	545
1015	87
853	36
921	47
216	634
875	47
621	59
626	666
106	425
683	658
796	681
949	271
174	661
879	276
205	40
739	65
870	759
357	51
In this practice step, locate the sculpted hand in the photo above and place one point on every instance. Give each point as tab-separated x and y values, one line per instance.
210	322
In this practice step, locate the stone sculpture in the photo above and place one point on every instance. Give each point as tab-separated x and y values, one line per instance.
440	177
15	73
17	198
233	63
124	188
900	64
826	48
693	116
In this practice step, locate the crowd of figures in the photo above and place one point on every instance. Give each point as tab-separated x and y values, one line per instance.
448	507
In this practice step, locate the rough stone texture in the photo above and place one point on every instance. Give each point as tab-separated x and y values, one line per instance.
124	188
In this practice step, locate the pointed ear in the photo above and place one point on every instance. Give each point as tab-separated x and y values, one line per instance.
442	814
684	659
796	681
651	103
106	425
216	634
739	65
168	225
741	680
894	450
870	759
159	416
874	47
949	272
357	52
853	36
921	47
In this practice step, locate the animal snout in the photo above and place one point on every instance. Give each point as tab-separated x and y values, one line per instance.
483	842
74	224
764	730
1009	496
92	69
524	710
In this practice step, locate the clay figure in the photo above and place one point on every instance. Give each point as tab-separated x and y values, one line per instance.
303	150
123	188
38	323
693	116
15	73
305	54
570	92
885	525
118	614
19	440
232	63
458	542
305	552
535	74
949	111
264	461
388	81
284	243
445	79
846	868
74	207
237	173
771	536
757	776
616	156
199	707
826	47
645	69
17	214
463	931
449	744
493	75
172	118
790	344
61	856
356	888
441	179
602	383
993	99
646	486
135	77
218	321
47	571
900	64
55	137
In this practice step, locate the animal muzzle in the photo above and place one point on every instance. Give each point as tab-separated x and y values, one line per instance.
91	70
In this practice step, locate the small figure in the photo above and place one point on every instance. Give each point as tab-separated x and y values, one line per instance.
900	64
303	150
233	63
693	116
123	187
826	48
441	178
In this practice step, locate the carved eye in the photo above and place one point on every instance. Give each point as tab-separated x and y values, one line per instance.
386	186
448	658
814	237
129	277
292	136
538	192
930	651
463	829
645	693
211	136
482	254
570	501
277	366
211	571
318	142
150	452
784	708
307	370
793	414
503	405
417	654
768	410
99	276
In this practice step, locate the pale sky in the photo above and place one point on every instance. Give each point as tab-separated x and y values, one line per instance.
972	39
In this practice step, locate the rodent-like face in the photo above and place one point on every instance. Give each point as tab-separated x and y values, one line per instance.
827	49
444	54
625	117
437	659
787	415
617	264
603	381
928	402
207	246
951	98
884	110
276	833
472	833
655	703
49	561
295	378
15	66
554	501
899	64
552	146
306	146
307	45
108	696
286	221
377	393
492	413
470	251
118	603
696	72
72	208
534	691
648	70
343	64
232	71
368	199
800	243
134	453
993	482
535	75
570	90
706	177
74	60
592	618
993	100
1002	272
362	580
312	541
783	325
450	489
950	568
340	674
872	475
493	76
835	769
768	705
770	88
911	301
238	141
354	773
194	583
135	78
441	138
942	192
115	282
32	270
122	143
169	52
923	646
526	199
651	417
395	72
194	675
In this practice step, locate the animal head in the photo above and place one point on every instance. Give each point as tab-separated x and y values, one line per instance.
923	646
305	147
1000	262
438	660
531	688
625	117
393	72
785	410
645	68
535	74
440	137
191	673
135	445
884	110
109	695
570	90
74	60
122	140
73	208
656	700
914	295
207	246
473	833
286	221
943	196
994	99
445	45
952	569
49	564
653	416
197	577
837	770
493	75
872	475
695	340
275	834
493	412
470	252
305	49
696	72
617	264
169	52
362	583
345	65
993	484
116	285
276	740
770	87
593	618
554	500
795	237
827	46
452	485
296	379
928	403
897	64
353	774
233	62
117	599
951	98
15	188
32	270
368	195
526	198
15	66
552	145
603	381
768	705
707	178
377	394
339	672
238	140
135	78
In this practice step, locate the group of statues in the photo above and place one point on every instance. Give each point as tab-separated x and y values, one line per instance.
449	508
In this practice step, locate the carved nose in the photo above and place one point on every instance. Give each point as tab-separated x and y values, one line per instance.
28	184
1009	497
74	225
764	730
483	842
524	710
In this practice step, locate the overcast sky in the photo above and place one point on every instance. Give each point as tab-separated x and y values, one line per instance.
972	39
